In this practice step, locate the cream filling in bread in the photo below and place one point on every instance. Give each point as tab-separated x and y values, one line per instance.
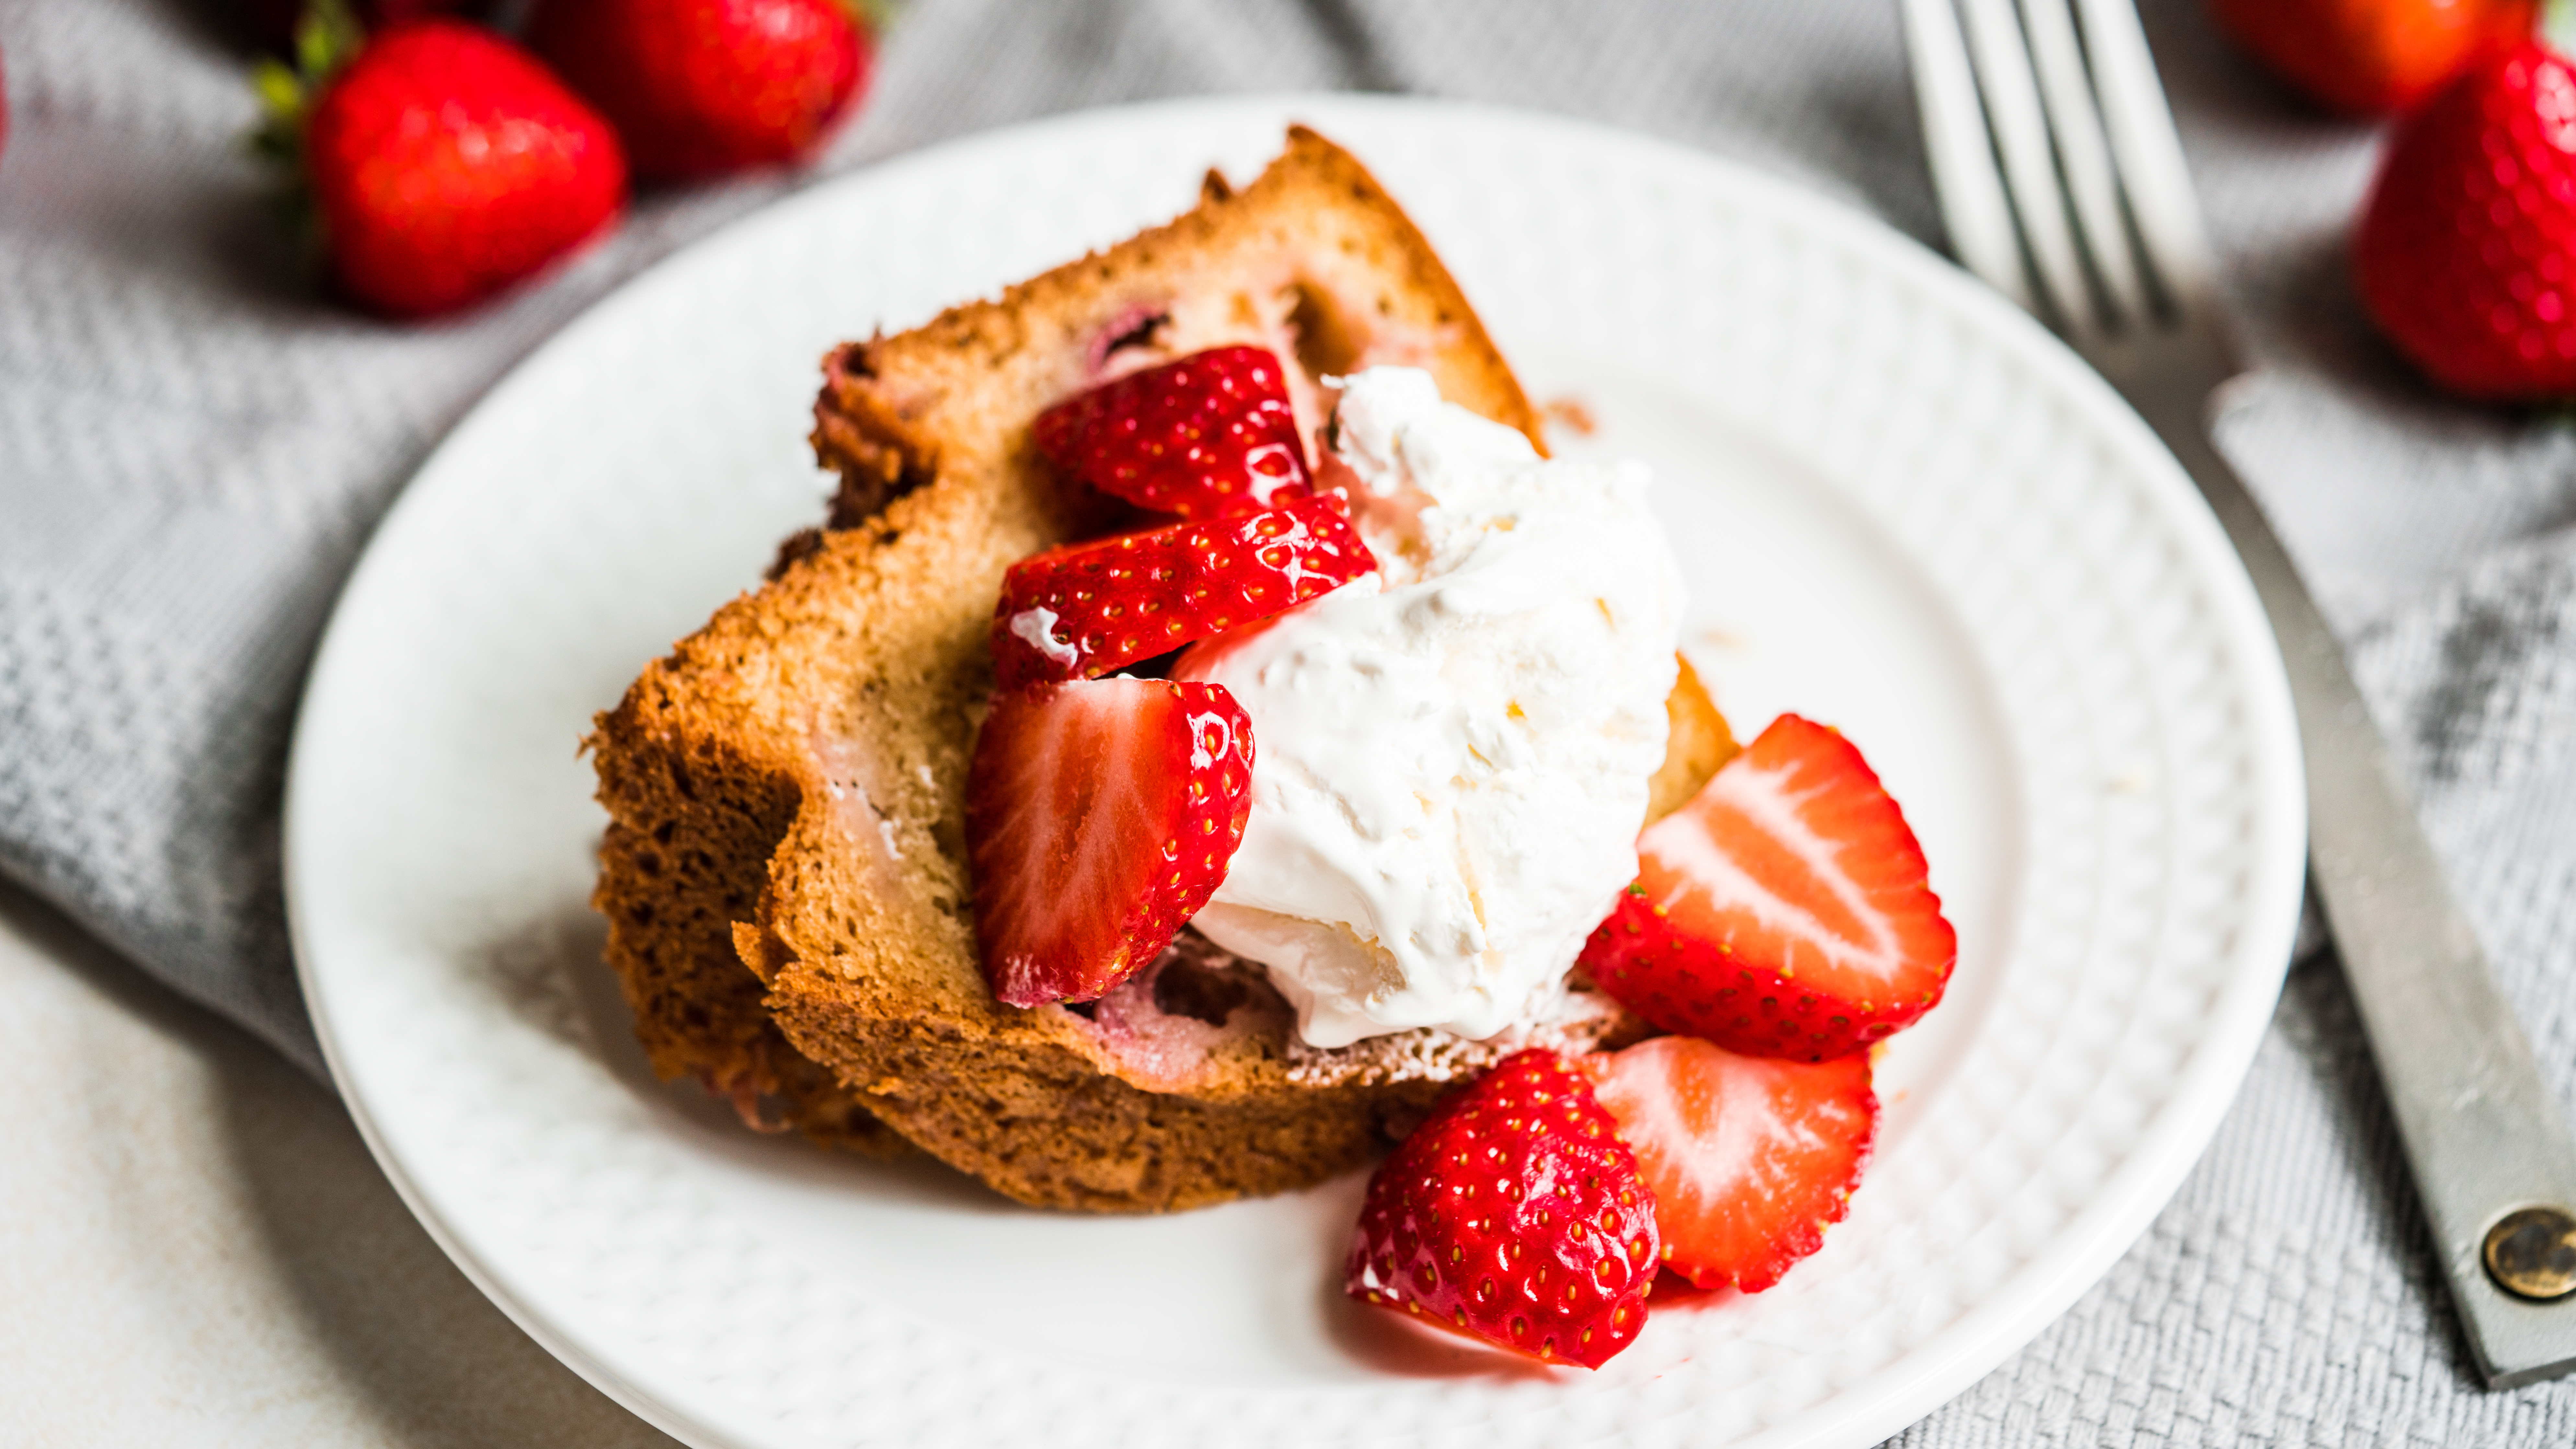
1451	755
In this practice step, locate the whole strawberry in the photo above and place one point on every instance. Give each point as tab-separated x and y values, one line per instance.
444	164
702	87
2373	55
1516	1215
2466	252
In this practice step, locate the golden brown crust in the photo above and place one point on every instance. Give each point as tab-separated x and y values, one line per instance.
787	787
1313	259
1697	743
1041	1121
693	819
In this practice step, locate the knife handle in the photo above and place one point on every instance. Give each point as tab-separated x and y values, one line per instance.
2484	1136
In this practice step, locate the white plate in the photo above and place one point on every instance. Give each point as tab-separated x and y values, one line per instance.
1900	507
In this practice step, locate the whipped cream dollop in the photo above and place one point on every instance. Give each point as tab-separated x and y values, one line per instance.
1451	755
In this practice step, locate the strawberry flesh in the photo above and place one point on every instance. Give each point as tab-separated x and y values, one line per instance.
1100	815
1088	608
1750	1158
1513	1214
1783	912
1208	435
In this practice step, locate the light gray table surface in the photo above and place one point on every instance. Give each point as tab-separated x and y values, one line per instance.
196	1249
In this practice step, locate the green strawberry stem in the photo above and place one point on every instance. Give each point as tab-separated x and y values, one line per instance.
874	16
327	38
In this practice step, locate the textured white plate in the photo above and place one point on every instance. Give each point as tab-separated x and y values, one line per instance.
1900	508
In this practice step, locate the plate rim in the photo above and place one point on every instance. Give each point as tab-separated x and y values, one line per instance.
1944	1365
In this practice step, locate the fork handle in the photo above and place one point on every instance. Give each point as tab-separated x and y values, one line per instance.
2483	1133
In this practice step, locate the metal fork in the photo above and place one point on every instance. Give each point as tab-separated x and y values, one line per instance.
2062	184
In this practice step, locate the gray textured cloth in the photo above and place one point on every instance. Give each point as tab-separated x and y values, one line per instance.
193	448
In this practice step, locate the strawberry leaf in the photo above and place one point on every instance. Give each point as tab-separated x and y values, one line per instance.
327	38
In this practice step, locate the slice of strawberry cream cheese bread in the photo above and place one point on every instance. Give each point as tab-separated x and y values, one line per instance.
786	875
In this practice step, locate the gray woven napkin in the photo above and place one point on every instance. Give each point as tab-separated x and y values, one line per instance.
193	447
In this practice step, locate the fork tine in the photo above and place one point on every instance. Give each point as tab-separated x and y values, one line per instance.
2004	77
1973	206
2149	152
2083	154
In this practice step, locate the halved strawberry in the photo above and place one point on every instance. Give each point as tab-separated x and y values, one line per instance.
1089	608
1208	435
1513	1214
1750	1158
1100	815
1784	911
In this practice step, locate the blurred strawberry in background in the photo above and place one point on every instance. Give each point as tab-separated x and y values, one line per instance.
2373	55
2466	250
702	87
442	162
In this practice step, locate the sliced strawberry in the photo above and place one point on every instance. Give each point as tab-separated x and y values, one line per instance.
1208	435
1100	814
1513	1214
1783	911
1750	1158
1089	608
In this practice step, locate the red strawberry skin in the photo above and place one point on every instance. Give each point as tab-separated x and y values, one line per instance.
1087	608
1515	1215
2367	56
703	87
1100	815
1750	1158
448	164
1208	435
1784	911
2466	251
